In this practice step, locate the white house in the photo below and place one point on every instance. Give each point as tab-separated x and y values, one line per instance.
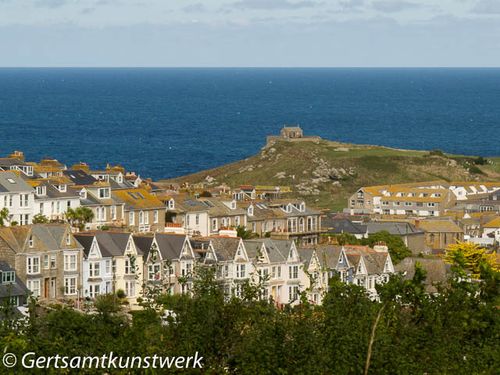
126	264
53	200
234	266
169	261
97	270
279	267
492	229
17	197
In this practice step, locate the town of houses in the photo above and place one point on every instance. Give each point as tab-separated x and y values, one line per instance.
141	234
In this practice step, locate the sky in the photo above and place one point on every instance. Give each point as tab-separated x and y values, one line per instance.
250	33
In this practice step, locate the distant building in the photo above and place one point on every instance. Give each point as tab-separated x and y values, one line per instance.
436	271
292	132
439	233
492	229
413	237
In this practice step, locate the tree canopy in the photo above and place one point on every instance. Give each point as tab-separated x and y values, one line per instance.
407	332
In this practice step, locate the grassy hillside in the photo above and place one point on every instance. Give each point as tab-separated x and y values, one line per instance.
326	173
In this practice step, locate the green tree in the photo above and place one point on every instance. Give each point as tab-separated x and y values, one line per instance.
4	216
244	233
79	217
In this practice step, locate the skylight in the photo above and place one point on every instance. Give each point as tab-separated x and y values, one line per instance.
11	180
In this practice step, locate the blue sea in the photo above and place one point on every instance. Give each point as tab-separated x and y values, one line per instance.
168	122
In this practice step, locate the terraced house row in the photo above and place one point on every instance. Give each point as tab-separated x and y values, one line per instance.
49	262
417	199
119	199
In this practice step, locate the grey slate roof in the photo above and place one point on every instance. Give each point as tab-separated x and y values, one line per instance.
328	255
79	177
277	250
305	255
143	243
8	162
15	289
85	241
394	228
341	225
225	247
170	245
111	244
12	183
46	237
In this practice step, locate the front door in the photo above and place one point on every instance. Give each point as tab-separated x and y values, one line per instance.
46	288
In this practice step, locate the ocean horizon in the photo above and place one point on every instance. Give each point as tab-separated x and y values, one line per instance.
167	122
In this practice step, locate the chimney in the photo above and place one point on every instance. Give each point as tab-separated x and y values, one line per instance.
381	247
17	155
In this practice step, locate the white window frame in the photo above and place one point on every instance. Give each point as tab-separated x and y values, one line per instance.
95	269
32	265
70	286
69	264
34	285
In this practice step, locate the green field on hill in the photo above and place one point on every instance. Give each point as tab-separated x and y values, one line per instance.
326	173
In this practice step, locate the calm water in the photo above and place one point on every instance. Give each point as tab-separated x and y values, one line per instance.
169	122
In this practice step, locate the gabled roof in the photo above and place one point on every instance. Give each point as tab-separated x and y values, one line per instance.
111	244
46	237
143	243
170	245
225	247
328	255
374	261
86	241
306	256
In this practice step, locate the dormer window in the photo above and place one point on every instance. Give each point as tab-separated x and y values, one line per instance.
62	188
8	277
31	242
302	207
104	193
250	210
41	190
233	205
83	194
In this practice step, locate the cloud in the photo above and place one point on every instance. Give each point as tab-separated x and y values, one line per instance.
487	7
274	4
394	6
52	3
352	4
194	8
